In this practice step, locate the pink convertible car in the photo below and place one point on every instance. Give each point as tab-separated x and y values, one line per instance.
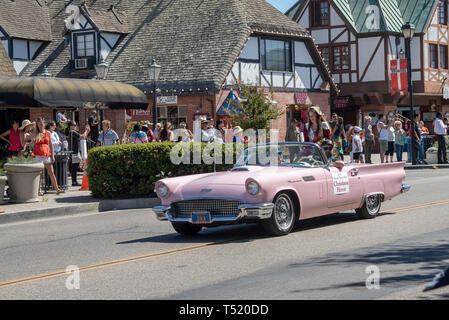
277	185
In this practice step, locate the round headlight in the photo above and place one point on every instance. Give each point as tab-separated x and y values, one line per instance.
162	190
252	188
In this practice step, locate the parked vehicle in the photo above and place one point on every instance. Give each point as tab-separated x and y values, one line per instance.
301	184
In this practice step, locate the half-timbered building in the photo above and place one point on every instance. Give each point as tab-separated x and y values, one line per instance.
204	48
358	39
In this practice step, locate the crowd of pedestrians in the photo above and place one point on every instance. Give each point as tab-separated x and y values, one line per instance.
44	139
393	136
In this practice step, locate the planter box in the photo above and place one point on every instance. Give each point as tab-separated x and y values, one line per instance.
3	180
432	156
23	181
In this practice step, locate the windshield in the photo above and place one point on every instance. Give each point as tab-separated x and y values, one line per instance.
283	154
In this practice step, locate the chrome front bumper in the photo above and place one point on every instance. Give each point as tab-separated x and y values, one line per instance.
246	211
405	188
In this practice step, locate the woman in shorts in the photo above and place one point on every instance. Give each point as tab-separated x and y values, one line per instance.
44	153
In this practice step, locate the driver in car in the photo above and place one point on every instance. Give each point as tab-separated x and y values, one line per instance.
328	147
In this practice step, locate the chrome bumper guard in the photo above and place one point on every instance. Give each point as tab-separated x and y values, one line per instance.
405	188
249	211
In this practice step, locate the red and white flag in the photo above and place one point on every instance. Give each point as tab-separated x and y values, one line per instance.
398	71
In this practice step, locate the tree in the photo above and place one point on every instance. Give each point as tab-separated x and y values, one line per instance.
256	110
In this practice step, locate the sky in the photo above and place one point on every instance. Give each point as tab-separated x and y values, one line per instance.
282	5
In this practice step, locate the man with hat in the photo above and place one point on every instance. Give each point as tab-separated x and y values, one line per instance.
206	135
328	147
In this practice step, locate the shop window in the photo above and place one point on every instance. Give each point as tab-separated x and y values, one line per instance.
433	56
173	114
276	55
443	57
320	13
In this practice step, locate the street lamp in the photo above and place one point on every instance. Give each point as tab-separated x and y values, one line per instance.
154	71
408	31
102	70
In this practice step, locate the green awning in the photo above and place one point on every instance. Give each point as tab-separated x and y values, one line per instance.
35	92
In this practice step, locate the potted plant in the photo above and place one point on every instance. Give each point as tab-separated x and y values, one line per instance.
3	180
432	152
432	155
23	175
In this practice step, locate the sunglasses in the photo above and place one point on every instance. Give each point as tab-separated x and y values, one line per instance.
327	148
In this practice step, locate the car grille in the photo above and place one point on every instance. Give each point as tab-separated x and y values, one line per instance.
217	207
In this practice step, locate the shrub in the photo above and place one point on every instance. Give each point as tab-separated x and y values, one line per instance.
132	170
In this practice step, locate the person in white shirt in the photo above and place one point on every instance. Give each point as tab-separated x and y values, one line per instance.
391	140
55	141
357	146
383	137
183	134
207	135
440	129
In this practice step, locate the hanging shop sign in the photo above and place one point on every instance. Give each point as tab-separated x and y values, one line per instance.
301	98
342	102
398	76
167	100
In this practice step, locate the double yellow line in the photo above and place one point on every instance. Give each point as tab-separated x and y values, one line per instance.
109	264
418	206
174	251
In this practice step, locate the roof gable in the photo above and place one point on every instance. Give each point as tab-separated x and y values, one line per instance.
393	14
107	20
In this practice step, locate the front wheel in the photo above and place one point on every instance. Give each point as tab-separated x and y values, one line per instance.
282	219
186	229
371	207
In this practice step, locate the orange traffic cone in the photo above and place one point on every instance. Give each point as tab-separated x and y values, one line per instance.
85	182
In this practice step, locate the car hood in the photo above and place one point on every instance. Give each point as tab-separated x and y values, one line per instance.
229	184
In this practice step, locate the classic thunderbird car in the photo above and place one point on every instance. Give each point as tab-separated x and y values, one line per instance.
300	183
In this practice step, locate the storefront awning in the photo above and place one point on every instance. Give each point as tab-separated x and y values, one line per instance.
35	92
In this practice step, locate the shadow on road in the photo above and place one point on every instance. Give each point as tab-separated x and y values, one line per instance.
406	264
248	232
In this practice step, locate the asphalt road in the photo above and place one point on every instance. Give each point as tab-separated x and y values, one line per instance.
131	255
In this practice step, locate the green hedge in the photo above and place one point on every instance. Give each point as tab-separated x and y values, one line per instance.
132	170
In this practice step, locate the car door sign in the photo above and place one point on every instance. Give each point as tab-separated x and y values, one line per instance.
341	182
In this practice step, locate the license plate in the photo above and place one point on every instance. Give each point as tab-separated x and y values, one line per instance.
201	217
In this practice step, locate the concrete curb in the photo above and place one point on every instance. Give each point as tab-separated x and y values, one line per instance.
427	166
81	208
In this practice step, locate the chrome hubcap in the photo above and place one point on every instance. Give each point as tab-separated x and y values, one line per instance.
283	213
373	204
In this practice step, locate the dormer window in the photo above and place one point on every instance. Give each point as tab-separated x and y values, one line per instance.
85	45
